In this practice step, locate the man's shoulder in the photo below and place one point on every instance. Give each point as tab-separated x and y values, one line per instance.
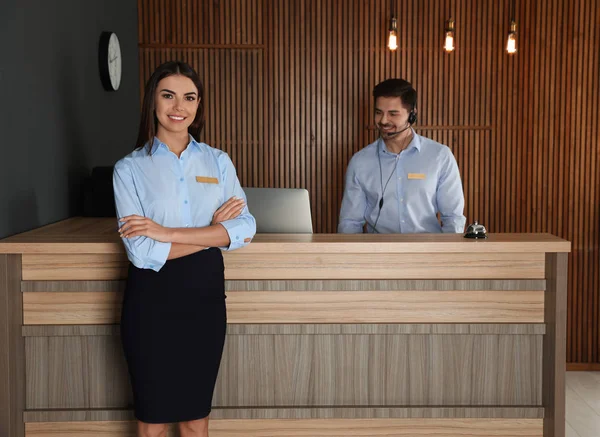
430	146
366	154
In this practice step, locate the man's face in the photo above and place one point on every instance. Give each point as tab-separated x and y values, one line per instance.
390	115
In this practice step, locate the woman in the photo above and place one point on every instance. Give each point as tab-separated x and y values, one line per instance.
179	202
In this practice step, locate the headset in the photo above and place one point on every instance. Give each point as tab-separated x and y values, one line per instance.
412	118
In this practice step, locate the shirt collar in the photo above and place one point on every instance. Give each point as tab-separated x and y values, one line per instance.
415	143
158	144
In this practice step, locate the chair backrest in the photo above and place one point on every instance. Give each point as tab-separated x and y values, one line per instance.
98	195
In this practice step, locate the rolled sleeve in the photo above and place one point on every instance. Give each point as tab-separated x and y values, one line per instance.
241	229
354	203
450	196
143	252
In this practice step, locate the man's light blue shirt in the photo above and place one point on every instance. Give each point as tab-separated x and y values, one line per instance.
423	180
177	193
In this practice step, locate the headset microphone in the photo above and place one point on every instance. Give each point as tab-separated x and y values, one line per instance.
393	134
412	118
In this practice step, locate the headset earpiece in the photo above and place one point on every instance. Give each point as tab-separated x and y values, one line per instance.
412	117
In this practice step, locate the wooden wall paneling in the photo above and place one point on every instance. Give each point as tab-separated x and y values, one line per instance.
289	97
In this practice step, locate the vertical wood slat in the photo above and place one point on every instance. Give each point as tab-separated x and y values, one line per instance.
293	107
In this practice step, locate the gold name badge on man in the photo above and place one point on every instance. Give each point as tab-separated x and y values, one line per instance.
206	180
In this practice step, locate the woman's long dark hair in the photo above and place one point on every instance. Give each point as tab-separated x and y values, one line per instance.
148	121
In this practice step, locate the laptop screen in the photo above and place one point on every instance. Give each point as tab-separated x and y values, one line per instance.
280	210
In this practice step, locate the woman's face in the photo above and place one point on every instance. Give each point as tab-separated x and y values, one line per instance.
176	103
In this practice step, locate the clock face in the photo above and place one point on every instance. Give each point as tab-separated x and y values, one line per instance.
114	61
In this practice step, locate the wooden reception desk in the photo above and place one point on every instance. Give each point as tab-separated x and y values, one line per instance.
329	335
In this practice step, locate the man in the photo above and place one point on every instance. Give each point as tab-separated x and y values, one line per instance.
400	182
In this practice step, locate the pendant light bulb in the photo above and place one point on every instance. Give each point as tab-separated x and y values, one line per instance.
511	43
393	35
449	40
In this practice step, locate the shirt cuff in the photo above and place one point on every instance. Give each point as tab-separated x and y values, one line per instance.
235	231
158	256
457	227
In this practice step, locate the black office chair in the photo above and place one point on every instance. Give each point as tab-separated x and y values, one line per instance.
98	196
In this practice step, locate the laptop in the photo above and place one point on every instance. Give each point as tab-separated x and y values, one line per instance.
280	210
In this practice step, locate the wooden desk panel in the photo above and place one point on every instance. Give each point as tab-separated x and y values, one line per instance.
281	266
313	427
282	370
487	306
335	334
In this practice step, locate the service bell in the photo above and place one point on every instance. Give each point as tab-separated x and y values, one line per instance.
476	230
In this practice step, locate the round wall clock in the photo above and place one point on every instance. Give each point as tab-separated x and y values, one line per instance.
110	61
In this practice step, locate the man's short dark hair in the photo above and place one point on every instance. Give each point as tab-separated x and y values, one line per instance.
397	88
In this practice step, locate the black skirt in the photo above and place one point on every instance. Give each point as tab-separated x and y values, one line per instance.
173	326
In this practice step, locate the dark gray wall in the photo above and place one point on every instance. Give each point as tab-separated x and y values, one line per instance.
56	120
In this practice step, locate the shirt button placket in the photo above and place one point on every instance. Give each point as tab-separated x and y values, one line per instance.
401	208
186	209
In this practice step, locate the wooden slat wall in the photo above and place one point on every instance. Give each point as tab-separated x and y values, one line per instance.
288	94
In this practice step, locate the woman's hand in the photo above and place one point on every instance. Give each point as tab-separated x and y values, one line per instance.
229	210
136	225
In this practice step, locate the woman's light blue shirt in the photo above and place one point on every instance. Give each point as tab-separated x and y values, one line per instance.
177	193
